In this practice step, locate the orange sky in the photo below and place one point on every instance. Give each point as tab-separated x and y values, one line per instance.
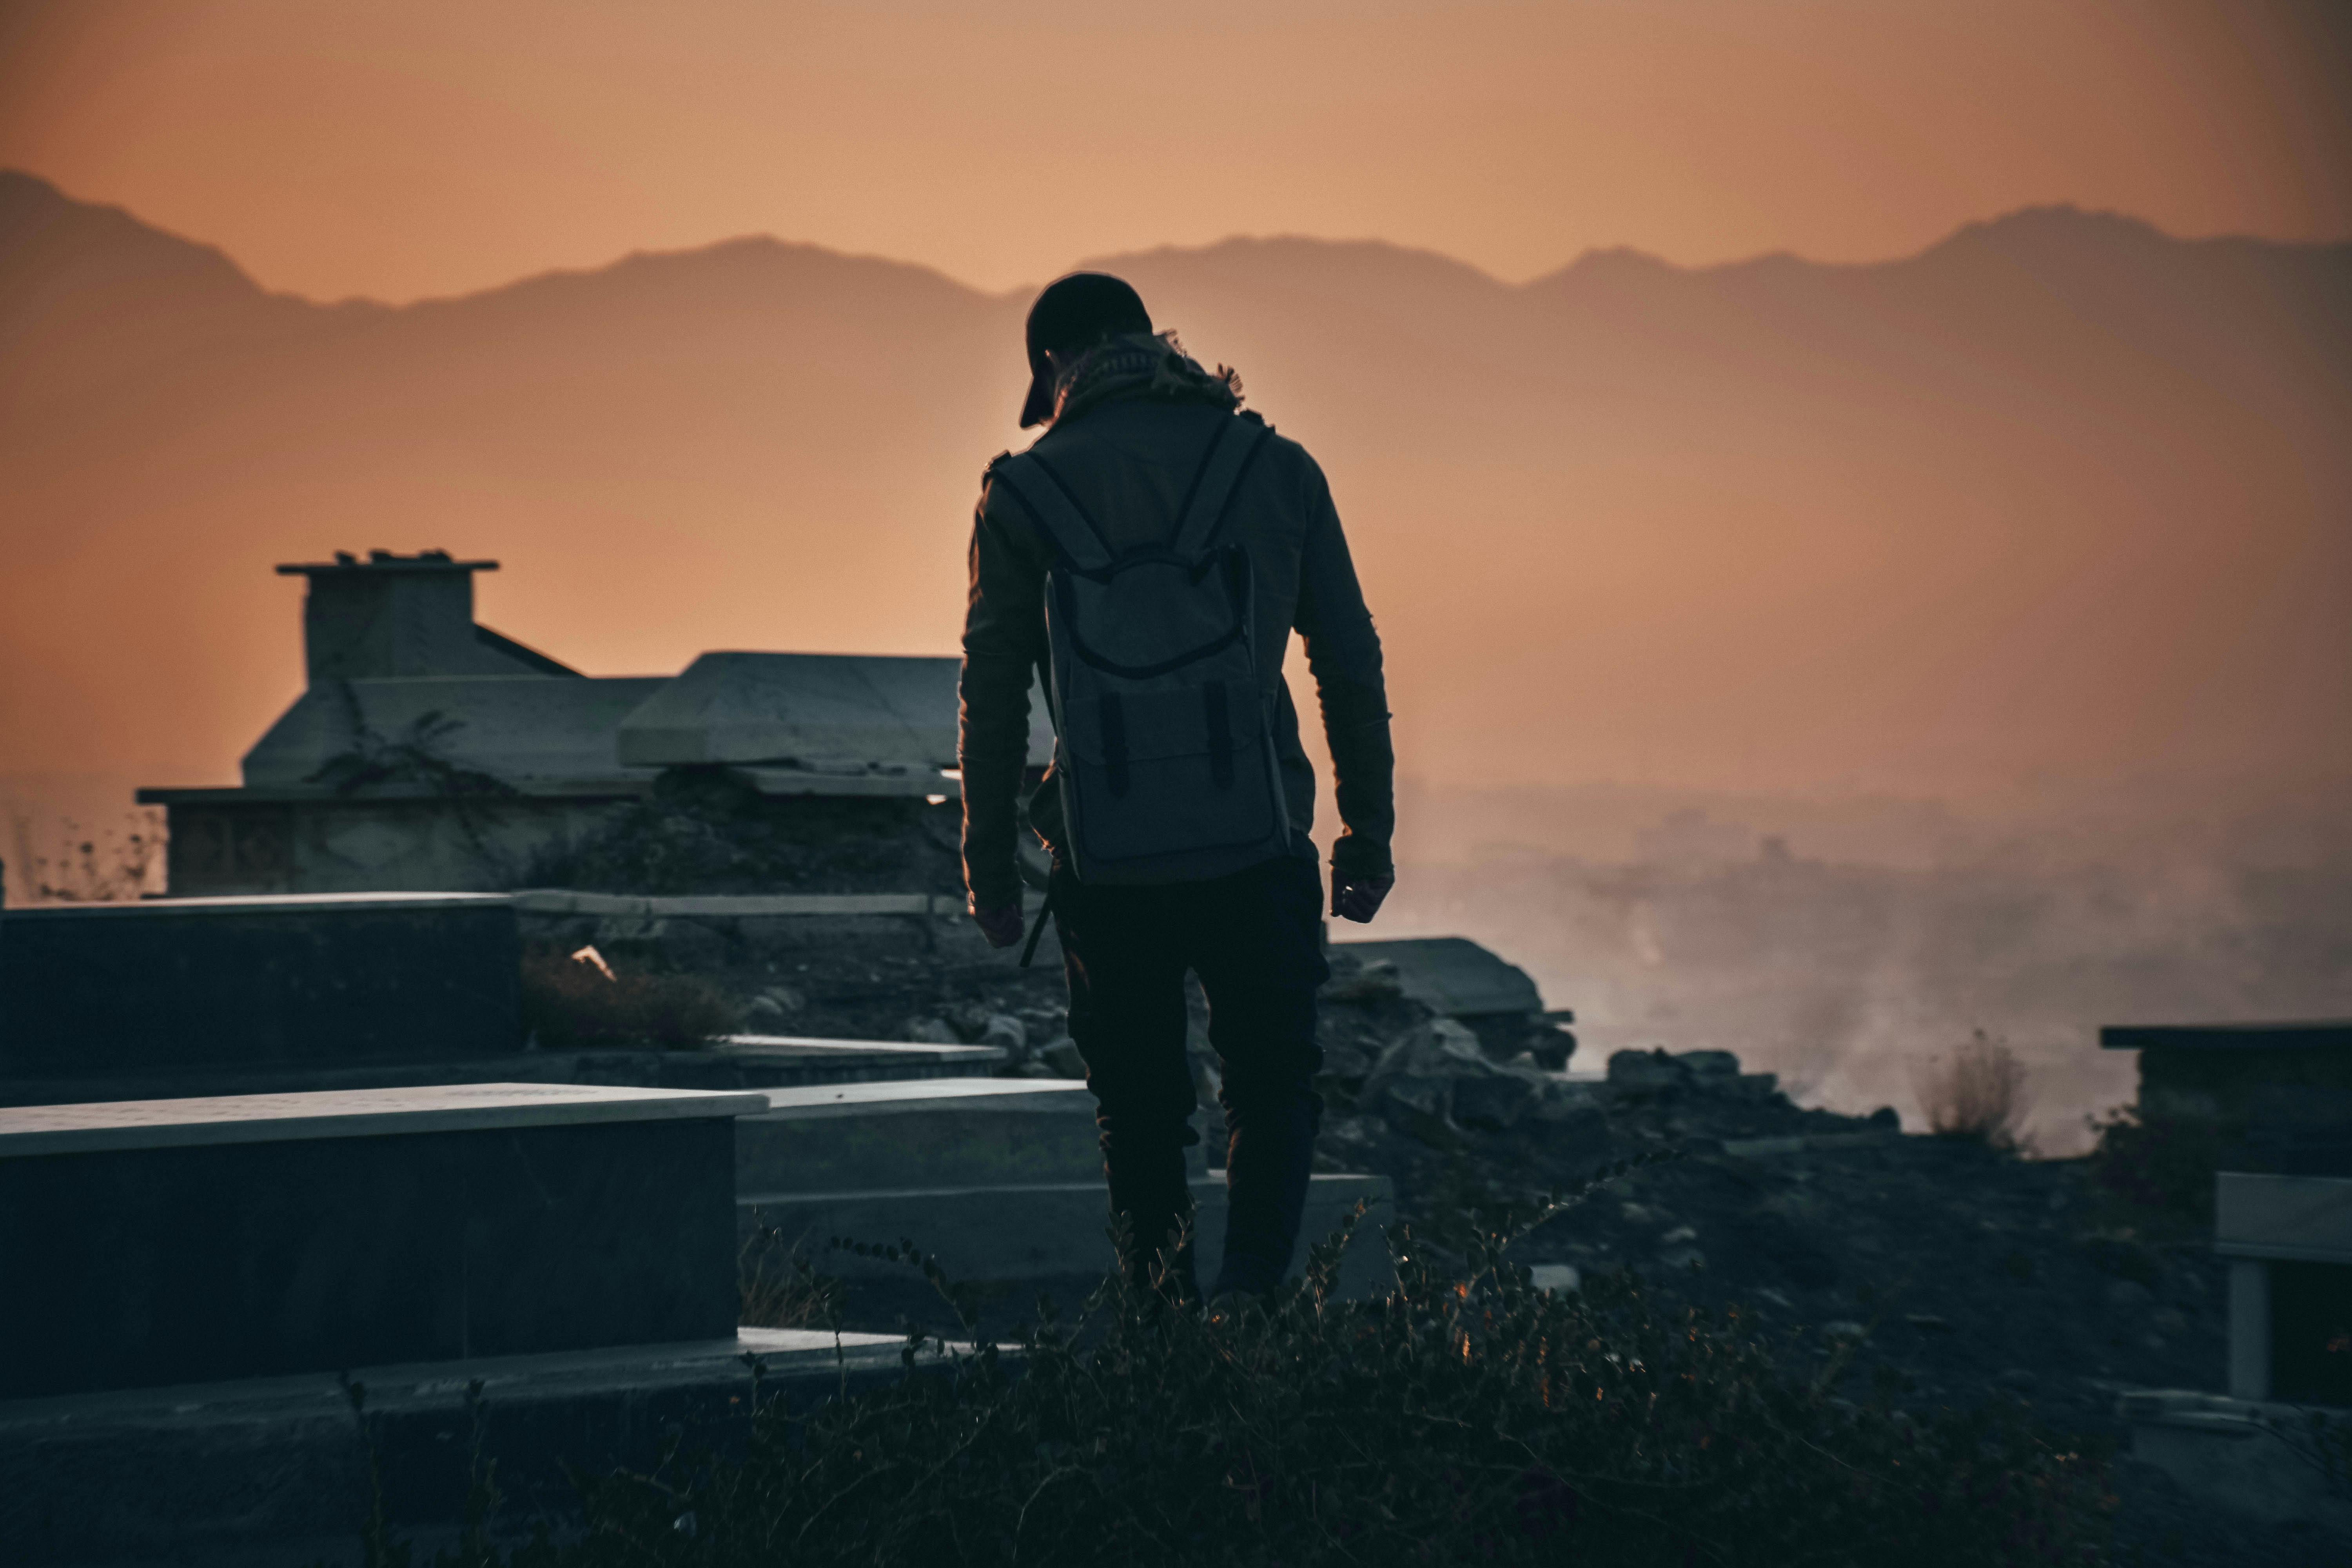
433	146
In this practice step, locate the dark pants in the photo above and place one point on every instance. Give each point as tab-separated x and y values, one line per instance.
1254	940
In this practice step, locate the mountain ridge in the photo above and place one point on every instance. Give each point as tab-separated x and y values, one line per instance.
2037	220
2058	496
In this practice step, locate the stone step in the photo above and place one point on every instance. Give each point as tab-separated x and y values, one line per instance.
1041	1230
925	1134
738	1061
275	1472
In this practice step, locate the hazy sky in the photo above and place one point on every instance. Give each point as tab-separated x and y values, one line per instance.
431	146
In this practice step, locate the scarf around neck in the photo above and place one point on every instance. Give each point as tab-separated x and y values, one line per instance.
1143	364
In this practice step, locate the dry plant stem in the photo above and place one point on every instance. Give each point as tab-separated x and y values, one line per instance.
1976	1094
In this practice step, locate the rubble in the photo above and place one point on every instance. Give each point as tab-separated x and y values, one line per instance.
1953	1272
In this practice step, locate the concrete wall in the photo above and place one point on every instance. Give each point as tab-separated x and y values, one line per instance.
361	843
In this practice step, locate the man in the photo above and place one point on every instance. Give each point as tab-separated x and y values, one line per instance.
1151	555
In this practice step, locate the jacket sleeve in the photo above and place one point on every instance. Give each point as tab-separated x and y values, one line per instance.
1003	643
1343	653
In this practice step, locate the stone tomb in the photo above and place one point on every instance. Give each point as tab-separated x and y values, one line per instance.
147	1242
1001	1179
170	985
2289	1243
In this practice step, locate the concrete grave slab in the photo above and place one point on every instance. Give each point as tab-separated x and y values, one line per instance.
170	985
275	1470
2289	1242
142	1242
931	1135
1001	1179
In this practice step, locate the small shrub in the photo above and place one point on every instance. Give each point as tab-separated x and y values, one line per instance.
575	1002
1977	1094
2160	1163
115	865
781	1288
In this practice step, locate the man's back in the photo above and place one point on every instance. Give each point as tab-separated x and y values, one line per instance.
1149	491
1129	464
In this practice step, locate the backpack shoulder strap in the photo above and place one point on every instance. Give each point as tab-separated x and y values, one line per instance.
1039	492
1231	452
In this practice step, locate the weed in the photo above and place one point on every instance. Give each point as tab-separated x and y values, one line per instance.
114	865
1464	1416
1977	1094
781	1288
575	1001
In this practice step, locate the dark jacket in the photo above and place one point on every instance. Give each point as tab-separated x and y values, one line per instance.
1128	458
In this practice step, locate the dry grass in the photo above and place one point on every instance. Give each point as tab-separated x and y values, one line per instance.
1976	1094
782	1289
575	1002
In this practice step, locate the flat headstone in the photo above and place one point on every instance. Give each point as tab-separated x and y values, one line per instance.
169	984
145	1242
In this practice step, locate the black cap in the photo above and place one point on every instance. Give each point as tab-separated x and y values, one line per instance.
1071	313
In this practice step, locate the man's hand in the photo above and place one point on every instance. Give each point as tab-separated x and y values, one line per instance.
1000	927
1358	900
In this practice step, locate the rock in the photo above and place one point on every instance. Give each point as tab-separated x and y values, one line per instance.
931	1032
1710	1067
970	1019
1886	1118
1063	1056
1844	1329
1006	1033
1551	1046
1344	1060
1680	1233
1757	1085
1647	1071
2129	1296
772	1008
1559	1276
1569	1120
1638	1214
1032	1067
1372	983
1420	1072
2016	1377
1682	1259
1495	1100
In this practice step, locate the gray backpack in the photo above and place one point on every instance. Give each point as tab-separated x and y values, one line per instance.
1164	738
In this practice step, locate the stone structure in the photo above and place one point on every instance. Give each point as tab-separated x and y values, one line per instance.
171	1241
430	753
177	988
2289	1243
2223	1070
1456	978
1001	1179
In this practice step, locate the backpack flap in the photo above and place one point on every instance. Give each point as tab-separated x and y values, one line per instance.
1169	772
1165	730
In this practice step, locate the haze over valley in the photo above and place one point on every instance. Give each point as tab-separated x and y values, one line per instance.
2012	560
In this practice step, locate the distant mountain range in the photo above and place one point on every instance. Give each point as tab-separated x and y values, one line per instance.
2061	500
